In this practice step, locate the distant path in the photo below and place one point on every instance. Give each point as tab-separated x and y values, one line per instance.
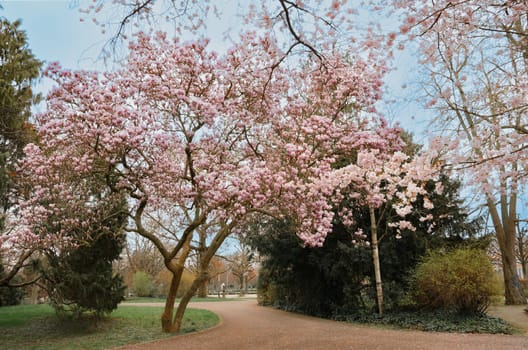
245	325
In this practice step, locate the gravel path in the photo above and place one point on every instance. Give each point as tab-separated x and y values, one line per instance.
245	325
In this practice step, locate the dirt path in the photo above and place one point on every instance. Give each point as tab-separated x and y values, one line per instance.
514	314
248	326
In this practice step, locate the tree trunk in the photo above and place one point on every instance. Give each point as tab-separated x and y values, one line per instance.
182	306
166	318
513	290
504	225
174	323
176	268
241	285
202	289
375	260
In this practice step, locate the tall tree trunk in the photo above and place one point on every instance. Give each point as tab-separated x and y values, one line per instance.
504	225
375	260
513	290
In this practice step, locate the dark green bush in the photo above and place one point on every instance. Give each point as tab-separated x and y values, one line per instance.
80	279
10	296
461	280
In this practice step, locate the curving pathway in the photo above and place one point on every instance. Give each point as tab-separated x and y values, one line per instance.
245	325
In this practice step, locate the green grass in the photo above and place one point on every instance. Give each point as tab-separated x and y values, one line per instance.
37	327
12	316
162	300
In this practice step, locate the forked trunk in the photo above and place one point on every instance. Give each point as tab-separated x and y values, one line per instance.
375	260
172	323
167	324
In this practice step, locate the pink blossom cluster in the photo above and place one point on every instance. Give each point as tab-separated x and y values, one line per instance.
377	179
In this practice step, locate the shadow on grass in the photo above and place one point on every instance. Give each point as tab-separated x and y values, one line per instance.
42	330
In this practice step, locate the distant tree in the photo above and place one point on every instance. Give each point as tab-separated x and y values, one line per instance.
18	70
143	286
241	261
142	256
80	279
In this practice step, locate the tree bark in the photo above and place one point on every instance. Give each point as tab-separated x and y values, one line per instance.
166	318
167	323
182	306
504	225
375	260
202	289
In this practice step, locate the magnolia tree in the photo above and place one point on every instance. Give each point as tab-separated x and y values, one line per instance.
475	54
378	181
199	142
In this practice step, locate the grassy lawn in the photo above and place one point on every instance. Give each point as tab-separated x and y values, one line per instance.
162	300
37	327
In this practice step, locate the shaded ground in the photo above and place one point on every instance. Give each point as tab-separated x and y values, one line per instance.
245	325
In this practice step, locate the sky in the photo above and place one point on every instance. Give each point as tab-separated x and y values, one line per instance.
55	32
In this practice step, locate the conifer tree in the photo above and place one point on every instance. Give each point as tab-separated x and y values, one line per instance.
80	279
18	70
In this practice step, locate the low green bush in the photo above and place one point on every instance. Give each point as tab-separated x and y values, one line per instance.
461	280
434	321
